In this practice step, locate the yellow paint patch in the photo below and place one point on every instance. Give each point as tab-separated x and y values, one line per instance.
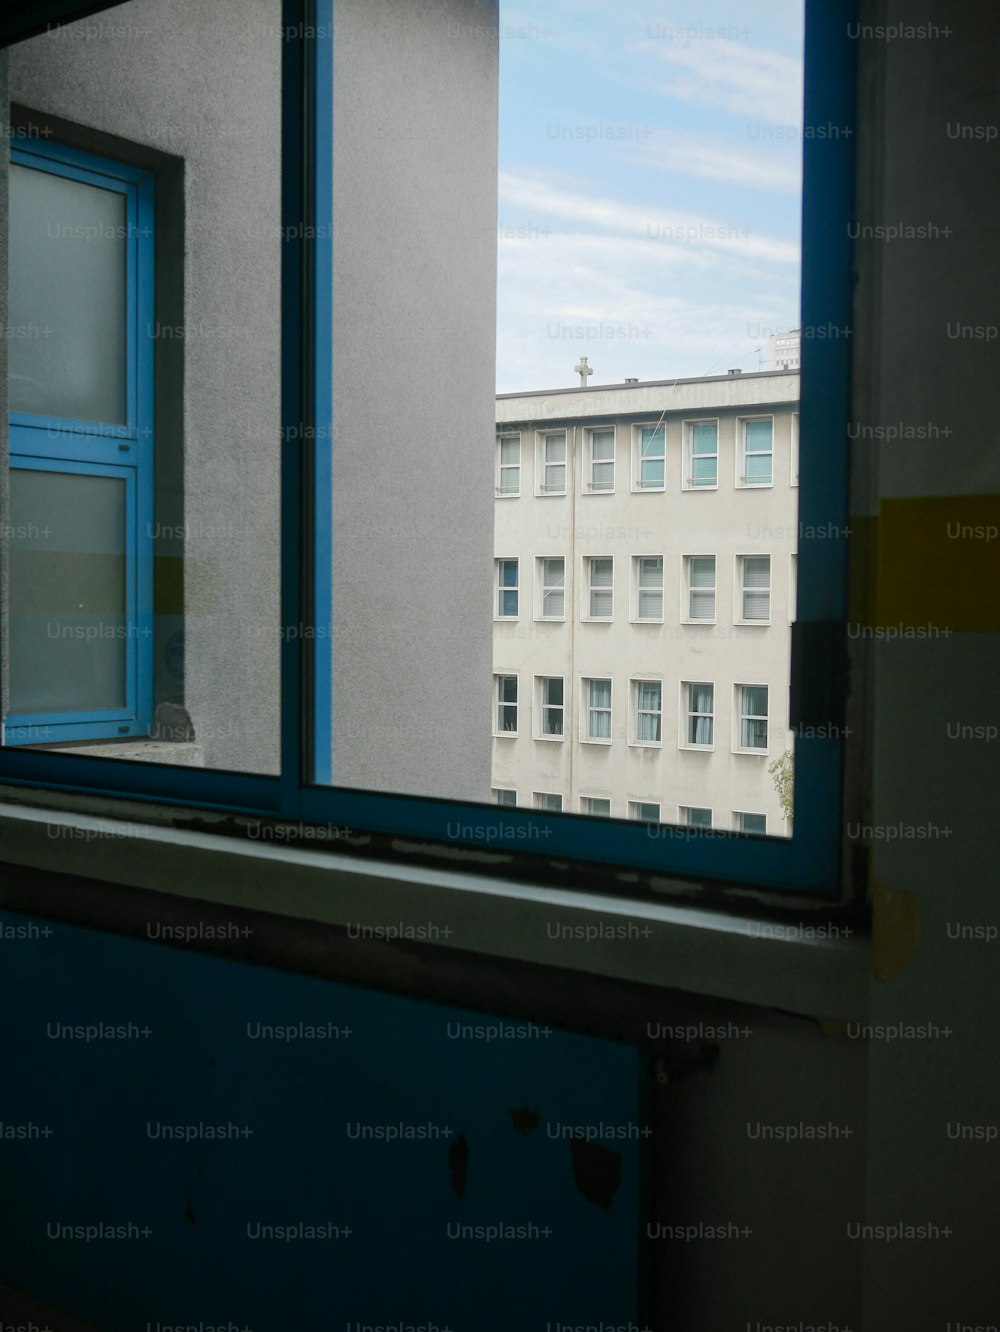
936	559
895	930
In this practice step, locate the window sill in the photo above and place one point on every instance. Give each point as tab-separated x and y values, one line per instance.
817	972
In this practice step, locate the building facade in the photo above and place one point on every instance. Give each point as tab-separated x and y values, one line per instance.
644	588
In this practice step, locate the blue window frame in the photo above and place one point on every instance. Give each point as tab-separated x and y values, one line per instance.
84	670
808	862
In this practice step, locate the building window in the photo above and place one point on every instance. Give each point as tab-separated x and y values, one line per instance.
756	451
597	710
691	816
702	454
600	587
505	796
507	590
553	464
646	811
750	823
699	701
549	800
79	521
551	706
701	588
648	571
794	467
651	460
506	704
598	806
508	466
601	461
552	578
647	713
754	579
793	585
752	717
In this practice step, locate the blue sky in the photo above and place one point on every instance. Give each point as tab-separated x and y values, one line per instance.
650	181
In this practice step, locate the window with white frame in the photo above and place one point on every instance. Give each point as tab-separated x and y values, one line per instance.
702	454
750	823
754	582
646	811
600	587
598	806
597	710
751	714
648	574
793	585
507	589
550	800
700	588
505	698
647	714
504	795
600	461
756	451
551	704
794	465
553	460
552	588
694	816
650	462
508	466
699	710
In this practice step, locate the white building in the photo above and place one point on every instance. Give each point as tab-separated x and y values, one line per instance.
783	351
644	579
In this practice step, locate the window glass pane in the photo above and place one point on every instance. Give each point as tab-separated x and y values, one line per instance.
67	280
68	622
144	417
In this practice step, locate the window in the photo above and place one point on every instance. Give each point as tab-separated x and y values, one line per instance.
699	702
648	587
754	573
693	817
504	795
601	456
508	466
506	704
553	481
702	454
598	806
597	710
793	576
600	587
750	823
552	578
648	711
701	588
752	717
551	701
794	467
81	460
756	451
651	470
549	800
646	811
507	590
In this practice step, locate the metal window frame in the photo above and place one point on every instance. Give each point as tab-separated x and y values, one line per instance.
808	863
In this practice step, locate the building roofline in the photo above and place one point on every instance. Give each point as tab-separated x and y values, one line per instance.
648	383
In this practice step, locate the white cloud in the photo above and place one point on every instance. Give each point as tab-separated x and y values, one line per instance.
715	159
758	84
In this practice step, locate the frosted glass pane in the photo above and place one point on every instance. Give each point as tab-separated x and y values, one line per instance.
67	296
67	592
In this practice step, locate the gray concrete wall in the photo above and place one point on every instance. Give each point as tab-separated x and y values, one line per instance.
150	74
414	335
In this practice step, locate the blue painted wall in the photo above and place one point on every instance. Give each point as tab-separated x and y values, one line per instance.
193	1059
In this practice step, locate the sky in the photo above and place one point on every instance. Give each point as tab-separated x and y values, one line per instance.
650	187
